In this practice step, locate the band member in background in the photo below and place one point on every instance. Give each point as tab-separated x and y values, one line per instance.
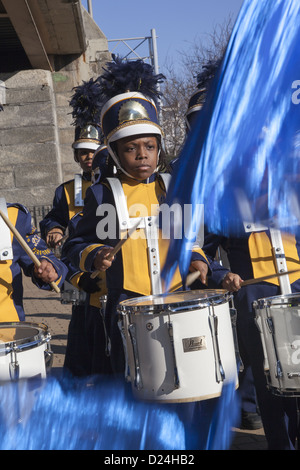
250	418
100	164
250	256
14	260
67	204
69	196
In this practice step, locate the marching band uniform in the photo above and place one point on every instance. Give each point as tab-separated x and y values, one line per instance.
68	200
69	196
131	273
82	356
251	257
64	208
11	266
87	350
100	164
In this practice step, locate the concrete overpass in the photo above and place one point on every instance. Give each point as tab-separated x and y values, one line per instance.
37	31
47	47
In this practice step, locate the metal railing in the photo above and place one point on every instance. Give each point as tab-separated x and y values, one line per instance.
136	43
38	213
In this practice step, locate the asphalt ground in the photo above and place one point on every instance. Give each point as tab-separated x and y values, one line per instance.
45	307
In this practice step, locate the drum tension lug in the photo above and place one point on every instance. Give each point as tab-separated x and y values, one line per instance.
213	322
233	317
127	368
292	375
270	325
171	336
48	354
279	372
138	381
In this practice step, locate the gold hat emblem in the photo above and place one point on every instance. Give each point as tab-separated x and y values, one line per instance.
89	132
132	110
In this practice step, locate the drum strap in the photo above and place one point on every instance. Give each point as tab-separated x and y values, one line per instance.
6	251
78	201
280	260
148	224
278	253
126	222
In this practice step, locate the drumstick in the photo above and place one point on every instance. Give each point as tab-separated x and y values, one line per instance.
191	277
265	278
63	239
26	248
117	248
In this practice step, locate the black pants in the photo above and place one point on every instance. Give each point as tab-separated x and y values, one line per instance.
86	352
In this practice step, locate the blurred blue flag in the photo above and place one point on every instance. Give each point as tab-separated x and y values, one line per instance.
100	413
241	159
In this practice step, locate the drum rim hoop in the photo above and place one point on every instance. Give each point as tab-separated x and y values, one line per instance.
5	348
275	300
220	297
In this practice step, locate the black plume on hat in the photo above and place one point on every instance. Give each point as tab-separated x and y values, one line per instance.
208	73
121	76
86	103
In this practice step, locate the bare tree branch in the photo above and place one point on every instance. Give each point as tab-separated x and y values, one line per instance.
178	88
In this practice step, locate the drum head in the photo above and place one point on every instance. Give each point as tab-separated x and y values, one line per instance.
183	300
21	332
288	300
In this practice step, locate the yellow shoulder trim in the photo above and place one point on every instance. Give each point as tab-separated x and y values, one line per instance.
85	254
200	251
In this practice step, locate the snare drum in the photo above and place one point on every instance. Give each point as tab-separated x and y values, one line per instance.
278	321
179	347
24	351
71	295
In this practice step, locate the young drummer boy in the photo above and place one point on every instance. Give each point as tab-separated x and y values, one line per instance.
129	121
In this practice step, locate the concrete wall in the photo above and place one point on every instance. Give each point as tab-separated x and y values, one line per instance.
36	131
29	149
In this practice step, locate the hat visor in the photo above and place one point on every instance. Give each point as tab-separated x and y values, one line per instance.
135	129
85	145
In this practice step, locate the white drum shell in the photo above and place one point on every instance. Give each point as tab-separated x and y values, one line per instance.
278	320
194	362
24	356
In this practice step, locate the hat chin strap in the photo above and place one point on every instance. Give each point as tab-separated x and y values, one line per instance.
118	164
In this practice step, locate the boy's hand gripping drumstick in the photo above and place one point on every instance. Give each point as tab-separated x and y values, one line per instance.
117	248
26	248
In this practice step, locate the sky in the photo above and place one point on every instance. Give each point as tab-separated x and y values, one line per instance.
178	24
